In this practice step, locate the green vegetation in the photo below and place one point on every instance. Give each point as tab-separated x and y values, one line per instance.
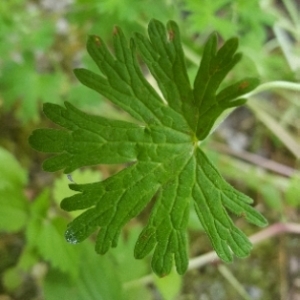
41	44
167	164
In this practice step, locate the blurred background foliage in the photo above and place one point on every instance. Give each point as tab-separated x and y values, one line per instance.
256	148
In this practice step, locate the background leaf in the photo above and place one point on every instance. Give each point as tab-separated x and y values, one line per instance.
13	203
97	279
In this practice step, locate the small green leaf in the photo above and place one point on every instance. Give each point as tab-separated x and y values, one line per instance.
128	267
13	203
65	257
169	286
12	279
44	233
162	148
97	279
14	210
293	191
12	175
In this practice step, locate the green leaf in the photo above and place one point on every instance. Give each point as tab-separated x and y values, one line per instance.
14	210
13	203
65	257
128	267
162	149
44	233
98	280
293	191
12	279
169	286
40	87
12	175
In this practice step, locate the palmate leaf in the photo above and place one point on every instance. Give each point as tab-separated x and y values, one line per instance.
165	161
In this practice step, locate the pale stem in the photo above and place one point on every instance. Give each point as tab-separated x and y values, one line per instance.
212	257
292	86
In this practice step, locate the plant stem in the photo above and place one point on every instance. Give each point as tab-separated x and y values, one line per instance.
254	159
212	257
292	86
233	281
286	138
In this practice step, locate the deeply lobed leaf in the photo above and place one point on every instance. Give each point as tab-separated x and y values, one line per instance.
162	149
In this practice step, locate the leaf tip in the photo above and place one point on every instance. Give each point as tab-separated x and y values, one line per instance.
172	30
96	40
116	30
71	236
154	22
213	37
